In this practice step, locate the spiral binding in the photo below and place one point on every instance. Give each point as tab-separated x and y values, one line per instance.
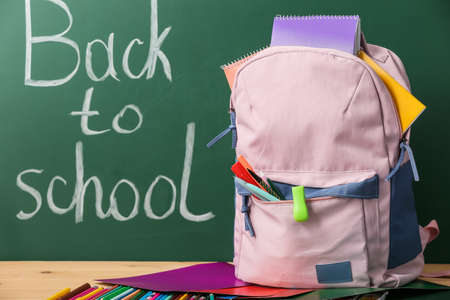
242	58
314	17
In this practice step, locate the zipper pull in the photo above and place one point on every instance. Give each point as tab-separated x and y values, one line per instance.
411	160
404	146
300	210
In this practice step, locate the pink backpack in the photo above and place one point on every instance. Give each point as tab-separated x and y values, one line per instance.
323	119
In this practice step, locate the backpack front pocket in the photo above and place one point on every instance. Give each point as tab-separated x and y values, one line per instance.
329	249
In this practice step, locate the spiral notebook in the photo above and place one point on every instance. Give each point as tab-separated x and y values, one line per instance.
335	32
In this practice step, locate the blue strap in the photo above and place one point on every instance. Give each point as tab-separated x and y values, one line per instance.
404	147
411	160
231	127
367	189
397	166
245	209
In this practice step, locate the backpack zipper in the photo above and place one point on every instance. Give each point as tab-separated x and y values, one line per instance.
243	58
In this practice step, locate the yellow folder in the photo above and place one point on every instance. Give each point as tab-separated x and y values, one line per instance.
409	108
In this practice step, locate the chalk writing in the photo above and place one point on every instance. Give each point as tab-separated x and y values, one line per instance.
77	204
82	184
154	50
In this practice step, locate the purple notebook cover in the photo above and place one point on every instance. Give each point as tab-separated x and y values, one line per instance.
336	32
208	276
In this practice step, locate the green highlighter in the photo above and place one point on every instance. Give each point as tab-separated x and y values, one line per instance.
300	210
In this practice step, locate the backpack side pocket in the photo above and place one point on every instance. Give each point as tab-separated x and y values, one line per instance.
404	241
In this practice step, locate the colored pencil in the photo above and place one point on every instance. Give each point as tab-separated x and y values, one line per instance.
114	293
184	296
146	296
139	295
105	292
75	292
59	294
132	294
97	296
90	294
156	295
123	293
85	292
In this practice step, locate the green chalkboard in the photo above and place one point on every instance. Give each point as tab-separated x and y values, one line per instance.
128	118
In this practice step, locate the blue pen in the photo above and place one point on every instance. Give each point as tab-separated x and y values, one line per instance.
256	190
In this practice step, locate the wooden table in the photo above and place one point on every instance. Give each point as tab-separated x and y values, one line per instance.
31	280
